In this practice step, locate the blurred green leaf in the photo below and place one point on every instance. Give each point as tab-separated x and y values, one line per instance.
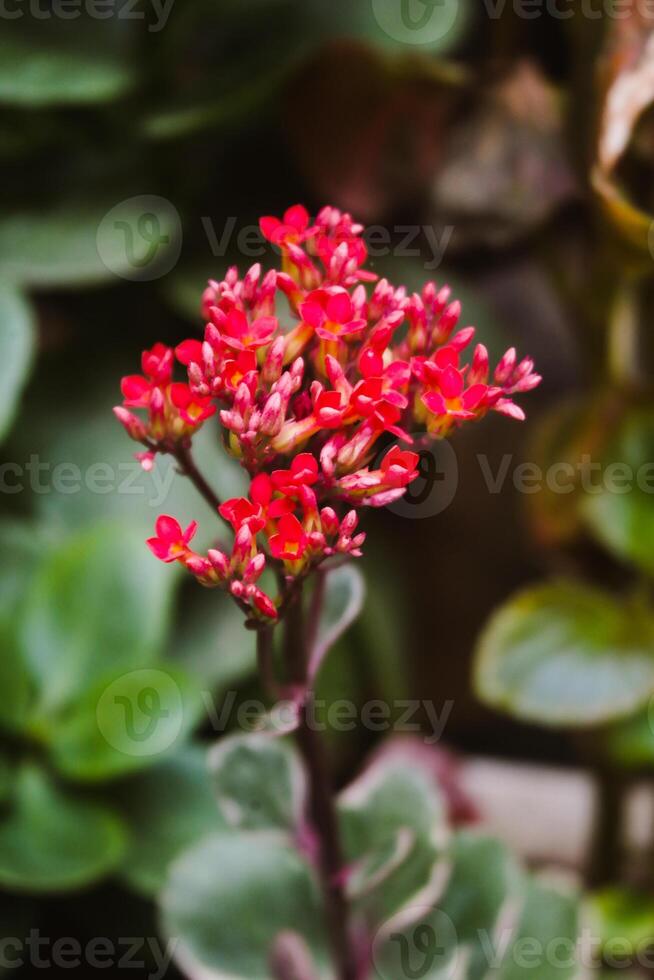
167	809
17	338
407	27
126	722
259	782
43	68
15	681
630	741
6	776
566	654
68	245
23	546
550	915
623	920
50	841
393	826
456	928
101	602
228	898
620	513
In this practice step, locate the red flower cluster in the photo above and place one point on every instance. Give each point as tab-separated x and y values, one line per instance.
312	368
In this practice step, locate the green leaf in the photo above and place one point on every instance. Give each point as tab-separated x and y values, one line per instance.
22	546
259	781
430	935
620	510
101	602
51	841
630	741
126	722
6	776
73	245
393	827
433	27
490	920
623	920
17	336
168	808
551	916
15	681
566	654
343	601
228	898
43	68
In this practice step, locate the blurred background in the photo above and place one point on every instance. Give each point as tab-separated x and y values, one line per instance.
505	148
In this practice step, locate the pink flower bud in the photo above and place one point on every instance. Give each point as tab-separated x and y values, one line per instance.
131	423
219	562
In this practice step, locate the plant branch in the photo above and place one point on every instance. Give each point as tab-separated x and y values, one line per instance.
321	801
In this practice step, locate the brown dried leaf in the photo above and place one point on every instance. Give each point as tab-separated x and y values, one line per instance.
627	90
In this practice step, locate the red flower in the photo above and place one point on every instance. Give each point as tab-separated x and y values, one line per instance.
193	409
171	543
240	511
331	314
293	228
290	541
303	471
239	333
326	385
157	363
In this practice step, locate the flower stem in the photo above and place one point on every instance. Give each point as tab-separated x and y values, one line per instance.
322	808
